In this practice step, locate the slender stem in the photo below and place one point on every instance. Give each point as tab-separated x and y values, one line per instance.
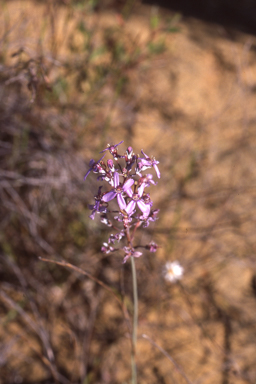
135	321
128	236
135	229
135	306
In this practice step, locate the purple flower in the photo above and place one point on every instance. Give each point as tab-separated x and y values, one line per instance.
151	217
130	158
108	174
137	199
152	246
110	164
107	248
129	154
112	150
130	252
117	237
124	218
134	203
97	207
147	180
118	190
95	166
147	163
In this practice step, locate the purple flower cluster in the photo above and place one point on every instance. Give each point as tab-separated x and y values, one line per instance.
128	188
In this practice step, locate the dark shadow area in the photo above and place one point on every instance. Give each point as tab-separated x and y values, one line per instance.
239	15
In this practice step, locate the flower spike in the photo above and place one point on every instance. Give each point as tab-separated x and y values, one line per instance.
134	204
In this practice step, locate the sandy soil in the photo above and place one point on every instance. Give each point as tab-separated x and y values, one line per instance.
193	108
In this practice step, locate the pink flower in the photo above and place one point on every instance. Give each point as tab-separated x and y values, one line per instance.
118	190
130	252
137	199
148	163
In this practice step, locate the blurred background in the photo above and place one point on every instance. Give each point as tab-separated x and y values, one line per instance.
177	80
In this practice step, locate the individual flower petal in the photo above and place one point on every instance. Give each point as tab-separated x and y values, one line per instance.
109	196
127	187
129	192
157	170
137	254
145	208
128	184
116	179
87	173
146	156
92	215
130	207
121	202
141	189
126	258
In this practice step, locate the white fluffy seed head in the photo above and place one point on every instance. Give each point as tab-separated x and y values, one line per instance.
173	271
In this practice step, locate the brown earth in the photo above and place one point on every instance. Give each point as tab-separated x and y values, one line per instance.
192	106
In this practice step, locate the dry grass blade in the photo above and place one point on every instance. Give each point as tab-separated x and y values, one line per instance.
31	324
41	329
110	290
176	365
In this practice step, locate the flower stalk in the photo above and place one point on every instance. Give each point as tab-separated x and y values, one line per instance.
135	321
123	174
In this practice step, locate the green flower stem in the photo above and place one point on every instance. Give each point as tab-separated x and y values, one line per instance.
135	321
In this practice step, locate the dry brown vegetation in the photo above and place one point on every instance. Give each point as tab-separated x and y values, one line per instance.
74	77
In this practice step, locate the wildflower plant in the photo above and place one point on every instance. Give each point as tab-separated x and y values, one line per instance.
127	185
